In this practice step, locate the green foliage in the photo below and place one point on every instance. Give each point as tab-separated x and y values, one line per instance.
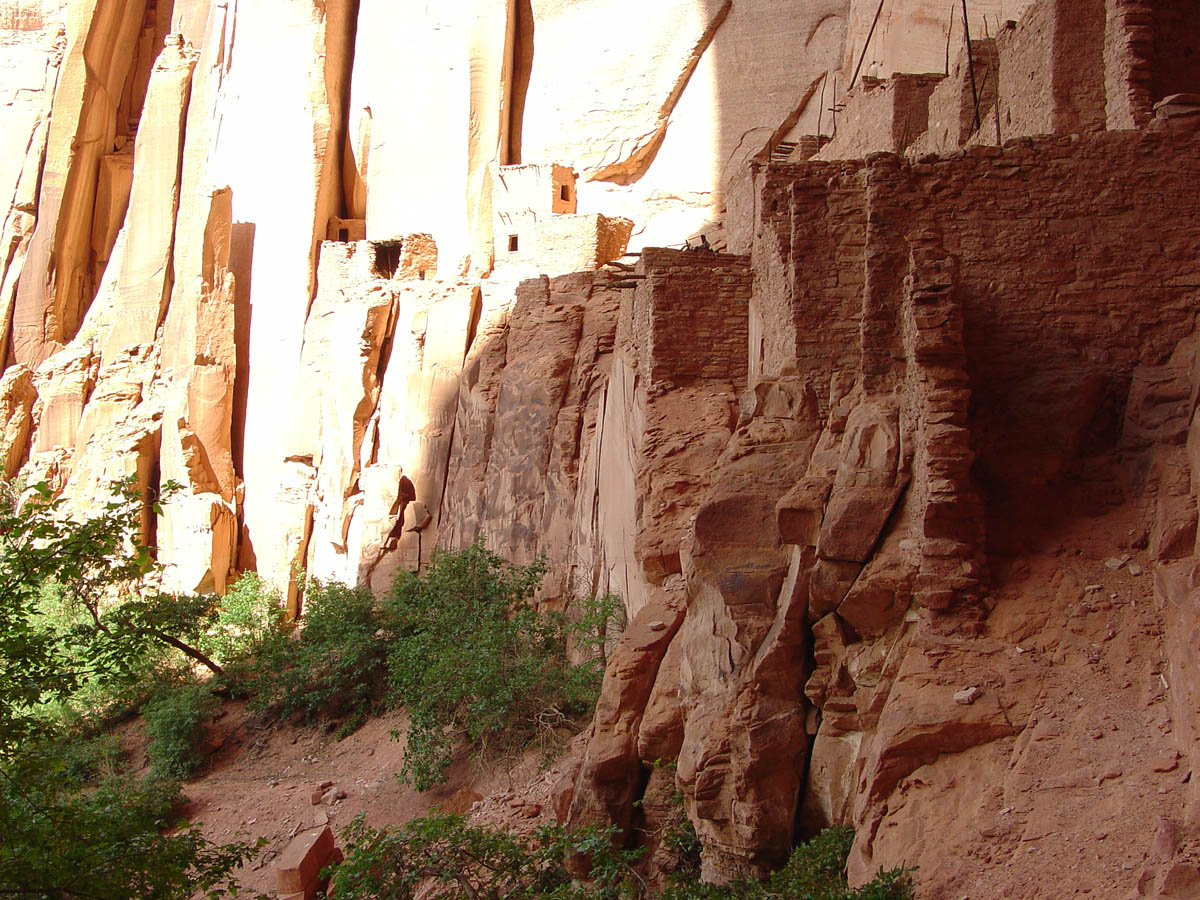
450	860
40	656
248	618
71	830
595	622
174	723
460	646
678	834
66	839
333	667
815	871
440	857
83	760
472	659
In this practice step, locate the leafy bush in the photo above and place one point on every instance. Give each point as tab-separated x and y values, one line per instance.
471	659
84	760
65	838
333	667
246	621
61	635
440	857
41	658
816	870
460	646
175	725
675	831
594	624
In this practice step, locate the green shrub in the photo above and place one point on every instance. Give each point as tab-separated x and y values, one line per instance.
106	841
816	870
594	624
86	759
333	666
174	723
68	830
677	833
440	857
460	646
247	620
472	660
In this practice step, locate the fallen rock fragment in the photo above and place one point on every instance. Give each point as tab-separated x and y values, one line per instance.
298	870
967	696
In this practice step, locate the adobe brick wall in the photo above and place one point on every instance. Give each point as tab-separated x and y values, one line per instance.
1078	66
951	116
1128	55
809	269
1026	61
1151	50
21	15
1051	69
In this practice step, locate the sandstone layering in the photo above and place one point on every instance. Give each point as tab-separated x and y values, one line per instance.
896	474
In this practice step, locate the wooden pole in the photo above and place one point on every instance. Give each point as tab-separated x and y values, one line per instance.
866	44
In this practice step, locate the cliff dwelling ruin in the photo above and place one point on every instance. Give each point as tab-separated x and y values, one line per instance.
897	482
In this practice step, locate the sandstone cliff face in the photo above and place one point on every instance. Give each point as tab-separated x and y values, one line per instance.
899	489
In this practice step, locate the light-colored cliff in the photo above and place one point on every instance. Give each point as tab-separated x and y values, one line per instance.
369	278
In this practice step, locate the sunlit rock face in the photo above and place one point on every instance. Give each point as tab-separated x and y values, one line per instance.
871	461
175	167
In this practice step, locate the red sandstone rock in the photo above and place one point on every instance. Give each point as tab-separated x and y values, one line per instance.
946	365
606	786
298	868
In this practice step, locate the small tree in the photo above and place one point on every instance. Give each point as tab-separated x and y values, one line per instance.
63	836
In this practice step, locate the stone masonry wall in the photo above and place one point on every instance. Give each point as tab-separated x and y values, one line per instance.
693	308
963	333
1176	48
1128	52
1058	239
1026	59
809	271
887	115
951	114
1049	67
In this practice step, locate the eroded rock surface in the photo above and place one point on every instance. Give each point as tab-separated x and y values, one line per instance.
893	467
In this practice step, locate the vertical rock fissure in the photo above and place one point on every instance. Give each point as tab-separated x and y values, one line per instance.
342	126
521	68
169	274
341	36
